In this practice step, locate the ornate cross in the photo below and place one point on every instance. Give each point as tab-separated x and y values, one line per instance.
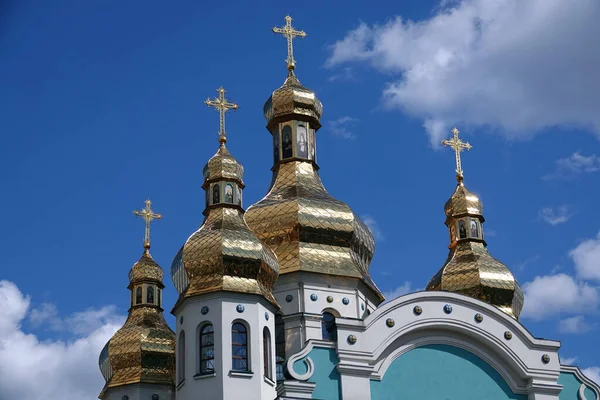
148	215
457	145
222	105
290	33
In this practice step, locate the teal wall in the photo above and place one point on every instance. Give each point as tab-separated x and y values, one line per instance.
326	375
441	372
571	386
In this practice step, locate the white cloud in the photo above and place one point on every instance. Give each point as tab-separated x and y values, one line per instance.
373	226
531	260
568	360
556	216
397	292
345	74
593	373
552	295
586	257
574	165
490	233
66	370
487	63
575	324
342	127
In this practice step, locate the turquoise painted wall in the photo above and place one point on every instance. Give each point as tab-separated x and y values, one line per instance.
571	386
441	372
326	375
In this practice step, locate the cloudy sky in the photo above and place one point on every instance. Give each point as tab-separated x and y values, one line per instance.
101	108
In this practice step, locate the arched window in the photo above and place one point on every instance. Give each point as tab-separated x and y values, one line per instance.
267	353
328	327
239	347
158	297
207	349
138	295
150	294
279	347
181	357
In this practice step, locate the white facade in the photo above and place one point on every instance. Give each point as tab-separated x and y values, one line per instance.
222	310
304	297
140	391
366	348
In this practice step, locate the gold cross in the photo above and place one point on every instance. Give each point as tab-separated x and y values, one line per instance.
222	105
290	33
457	145
148	215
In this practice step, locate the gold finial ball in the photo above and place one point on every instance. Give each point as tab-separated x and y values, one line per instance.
146	245
222	139
291	67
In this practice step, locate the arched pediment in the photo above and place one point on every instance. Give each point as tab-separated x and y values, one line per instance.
429	318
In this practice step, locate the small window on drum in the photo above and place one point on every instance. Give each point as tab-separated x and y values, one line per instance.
239	347
328	327
207	349
150	295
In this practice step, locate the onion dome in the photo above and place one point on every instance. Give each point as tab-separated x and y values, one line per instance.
469	268
293	100
307	228
224	255
143	350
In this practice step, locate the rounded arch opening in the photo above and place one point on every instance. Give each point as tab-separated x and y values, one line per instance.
205	339
240	346
328	326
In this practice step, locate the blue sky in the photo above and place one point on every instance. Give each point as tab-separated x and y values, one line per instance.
101	107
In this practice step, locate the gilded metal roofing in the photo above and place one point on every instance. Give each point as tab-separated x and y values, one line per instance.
146	270
143	350
463	202
223	166
293	101
308	229
469	268
223	254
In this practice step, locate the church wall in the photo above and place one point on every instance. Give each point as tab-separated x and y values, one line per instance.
224	309
429	371
573	386
140	391
304	297
325	374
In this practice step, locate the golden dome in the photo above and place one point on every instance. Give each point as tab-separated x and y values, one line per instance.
224	255
308	229
223	166
146	270
293	99
143	350
463	202
469	268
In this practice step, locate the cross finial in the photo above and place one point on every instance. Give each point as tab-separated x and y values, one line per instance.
148	215
457	145
289	33
222	105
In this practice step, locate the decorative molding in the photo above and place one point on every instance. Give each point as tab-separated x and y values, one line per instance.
581	392
312	343
590	384
457	300
310	369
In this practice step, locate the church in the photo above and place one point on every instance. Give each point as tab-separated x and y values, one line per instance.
276	302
